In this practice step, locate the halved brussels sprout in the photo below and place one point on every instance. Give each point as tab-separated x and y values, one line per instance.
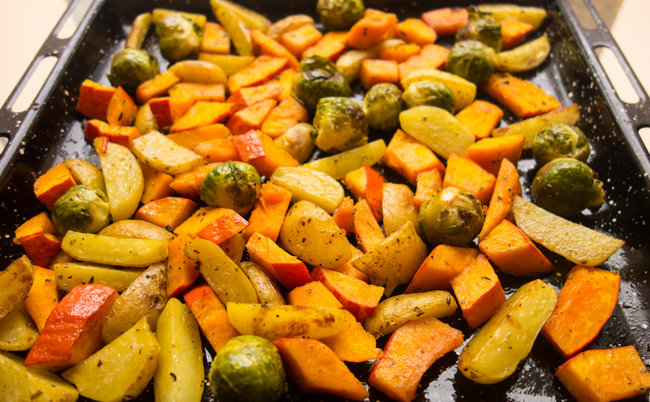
179	37
560	141
132	67
232	185
318	78
81	209
566	186
430	93
382	106
483	28
471	60
340	124
452	217
340	15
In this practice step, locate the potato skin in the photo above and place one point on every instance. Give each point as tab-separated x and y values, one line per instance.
136	229
15	282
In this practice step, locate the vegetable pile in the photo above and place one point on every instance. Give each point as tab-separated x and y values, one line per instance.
219	210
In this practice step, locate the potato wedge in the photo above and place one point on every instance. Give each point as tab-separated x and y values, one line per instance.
123	178
345	162
230	64
200	71
275	322
310	185
310	233
17	330
121	370
20	383
524	57
71	274
288	24
138	253
248	16
464	90
145	120
136	229
86	173
15	282
531	15
507	338
398	207
236	28
145	297
163	154
180	375
267	288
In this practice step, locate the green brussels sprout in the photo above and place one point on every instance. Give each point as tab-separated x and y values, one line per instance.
430	93
560	141
232	185
318	78
483	28
340	124
566	186
179	37
382	106
340	15
81	209
452	216
132	67
472	60
248	368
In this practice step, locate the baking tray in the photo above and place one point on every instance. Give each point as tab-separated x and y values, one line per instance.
51	131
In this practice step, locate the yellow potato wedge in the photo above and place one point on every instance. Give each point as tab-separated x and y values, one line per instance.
248	16
298	141
15	282
71	274
236	28
145	120
310	185
200	71
531	15
161	153
160	13
398	207
136	229
524	57
86	173
345	162
139	29
287	24
464	90
230	64
267	288
17	330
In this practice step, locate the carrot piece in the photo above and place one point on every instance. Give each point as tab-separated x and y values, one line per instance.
353	343
584	305
39	238
223	228
431	56
514	32
368	184
344	215
157	86
366	228
156	184
73	331
284	116
285	268
168	212
440	267
262	152
211	315
121	109
409	353
189	184
215	39
416	31
357	296
505	189
305	361
446	21
43	296
489	152
258	72
94	99
313	294
263	45
331	46
597	375
285	79
202	114
203	218
468	176
199	92
269	211
480	117
378	71
181	271
250	118
478	291
427	184
521	97
513	252
161	109
301	39
247	97
400	53
348	269
374	27
409	157
191	138
116	134
219	150
50	186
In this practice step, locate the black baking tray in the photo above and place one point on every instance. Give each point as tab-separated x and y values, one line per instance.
51	131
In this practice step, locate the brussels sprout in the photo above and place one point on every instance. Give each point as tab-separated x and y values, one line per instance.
560	141
452	216
232	185
340	15
81	209
179	37
340	124
382	106
318	78
430	93
132	67
472	60
483	28
566	186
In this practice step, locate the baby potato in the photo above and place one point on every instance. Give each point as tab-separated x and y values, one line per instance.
15	282
136	229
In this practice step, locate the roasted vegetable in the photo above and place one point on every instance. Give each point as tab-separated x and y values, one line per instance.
179	37
340	124
430	93
560	141
483	28
524	57
318	78
81	209
298	141
339	15
232	185
132	67
471	60
382	106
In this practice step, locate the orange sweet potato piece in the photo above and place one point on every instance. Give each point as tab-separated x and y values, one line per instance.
353	343
215	39
301	39
373	28
50	186
400	53
427	184
431	56
246	97
161	108
468	176
39	238
191	138
219	150
156	184
416	31
344	215
285	268
514	32
348	269
43	296
73	331
440	267
506	187
211	315
480	117
199	91
305	362
116	134
331	46
478	291
263	45
409	353
446	21
258	72
202	114
285	79
269	211
521	97
188	184
121	109
366	229
181	271
94	99
378	71
584	305
284	116
157	86
168	212
223	228
261	151
489	152
313	294
368	184
409	157
250	118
